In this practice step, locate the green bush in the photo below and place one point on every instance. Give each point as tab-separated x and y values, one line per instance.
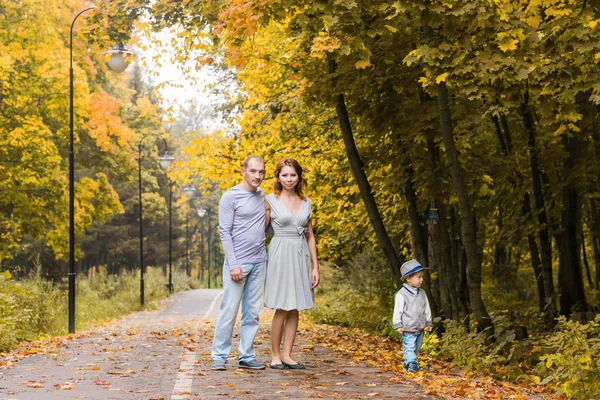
32	307
571	363
503	356
360	295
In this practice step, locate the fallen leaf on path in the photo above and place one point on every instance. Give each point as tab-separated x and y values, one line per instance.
67	386
373	394
101	382
35	385
341	383
342	372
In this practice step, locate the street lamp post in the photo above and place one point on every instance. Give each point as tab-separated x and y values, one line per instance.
201	213
190	191
165	162
118	57
170	284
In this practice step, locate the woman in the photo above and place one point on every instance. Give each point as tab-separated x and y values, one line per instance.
292	267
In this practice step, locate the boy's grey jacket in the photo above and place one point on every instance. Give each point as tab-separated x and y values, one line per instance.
411	310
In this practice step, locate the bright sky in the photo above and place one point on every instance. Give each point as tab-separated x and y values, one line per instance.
176	88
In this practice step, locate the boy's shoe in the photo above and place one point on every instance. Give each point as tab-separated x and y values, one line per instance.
218	365
252	364
412	367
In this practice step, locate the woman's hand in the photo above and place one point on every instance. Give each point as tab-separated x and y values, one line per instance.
315	277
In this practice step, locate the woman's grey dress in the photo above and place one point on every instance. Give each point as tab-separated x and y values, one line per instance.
288	285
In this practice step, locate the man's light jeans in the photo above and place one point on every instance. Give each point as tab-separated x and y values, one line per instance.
411	344
248	291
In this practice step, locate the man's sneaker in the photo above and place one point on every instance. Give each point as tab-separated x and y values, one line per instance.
412	367
218	365
252	364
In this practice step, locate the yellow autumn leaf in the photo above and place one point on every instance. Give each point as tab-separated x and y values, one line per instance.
535	379
507	44
585	359
441	78
534	21
391	28
362	64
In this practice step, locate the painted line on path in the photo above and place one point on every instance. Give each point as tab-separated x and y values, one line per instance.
212	305
185	374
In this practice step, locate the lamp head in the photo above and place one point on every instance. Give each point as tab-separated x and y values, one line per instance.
189	190
201	212
166	160
119	58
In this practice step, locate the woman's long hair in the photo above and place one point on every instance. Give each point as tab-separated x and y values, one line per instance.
289	162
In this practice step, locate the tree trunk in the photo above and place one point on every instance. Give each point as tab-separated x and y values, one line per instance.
419	241
451	268
468	221
394	260
536	262
500	135
464	288
507	135
436	265
585	260
595	230
502	270
459	264
546	245
505	140
440	244
570	283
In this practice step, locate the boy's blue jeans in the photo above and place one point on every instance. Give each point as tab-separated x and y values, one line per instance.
249	292
411	344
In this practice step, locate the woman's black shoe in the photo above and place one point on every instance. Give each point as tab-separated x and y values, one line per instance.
293	366
277	366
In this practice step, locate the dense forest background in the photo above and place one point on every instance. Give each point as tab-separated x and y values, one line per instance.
464	134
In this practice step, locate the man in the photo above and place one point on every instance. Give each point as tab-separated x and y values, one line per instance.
242	230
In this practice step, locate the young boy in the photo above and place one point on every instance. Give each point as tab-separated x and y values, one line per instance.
412	314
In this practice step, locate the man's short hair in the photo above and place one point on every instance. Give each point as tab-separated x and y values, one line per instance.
250	158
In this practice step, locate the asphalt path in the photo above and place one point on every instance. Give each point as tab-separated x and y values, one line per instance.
136	357
165	354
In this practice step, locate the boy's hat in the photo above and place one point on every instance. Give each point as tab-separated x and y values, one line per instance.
409	268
